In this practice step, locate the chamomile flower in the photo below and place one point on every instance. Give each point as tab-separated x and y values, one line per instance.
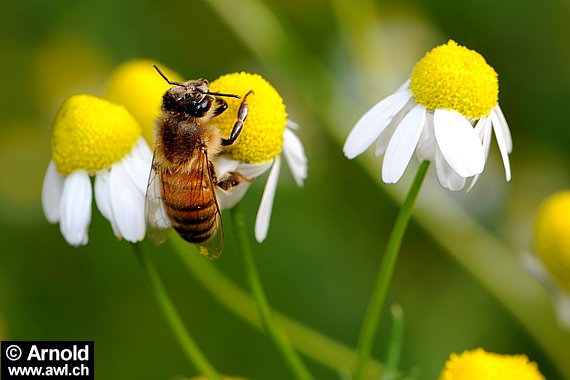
551	262
479	364
446	113
94	137
265	136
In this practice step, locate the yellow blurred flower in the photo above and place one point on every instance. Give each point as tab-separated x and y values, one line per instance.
136	85
479	364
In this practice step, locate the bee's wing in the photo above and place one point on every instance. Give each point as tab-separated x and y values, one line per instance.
212	248
157	222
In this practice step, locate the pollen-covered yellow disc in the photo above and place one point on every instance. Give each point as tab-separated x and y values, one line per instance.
552	237
138	86
451	76
91	133
479	364
261	138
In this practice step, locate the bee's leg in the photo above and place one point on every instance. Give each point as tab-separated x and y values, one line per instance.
241	116
231	180
222	106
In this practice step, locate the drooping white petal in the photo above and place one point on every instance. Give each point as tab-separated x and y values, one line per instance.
266	206
137	164
483	130
505	127
224	164
228	199
425	151
402	144
295	156
103	198
373	122
458	143
75	208
51	193
446	176
386	135
127	204
253	170
502	142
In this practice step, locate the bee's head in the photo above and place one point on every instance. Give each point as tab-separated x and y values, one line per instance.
193	97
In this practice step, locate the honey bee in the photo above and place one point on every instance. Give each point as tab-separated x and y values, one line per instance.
181	191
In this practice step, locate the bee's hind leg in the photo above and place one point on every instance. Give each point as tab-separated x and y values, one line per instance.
241	116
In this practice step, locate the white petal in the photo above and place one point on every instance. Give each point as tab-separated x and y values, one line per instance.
386	135
425	150
228	199
447	177
295	156
373	122
502	141
75	208
103	198
533	266
266	206
484	131
51	193
254	170
505	128
127	204
292	125
224	164
137	164
402	145
458	143
562	303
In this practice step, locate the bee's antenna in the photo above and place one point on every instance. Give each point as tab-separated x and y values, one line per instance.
219	94
166	79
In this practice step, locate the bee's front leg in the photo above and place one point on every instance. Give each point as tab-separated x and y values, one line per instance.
241	116
231	180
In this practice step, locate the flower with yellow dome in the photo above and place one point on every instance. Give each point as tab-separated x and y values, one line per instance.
479	364
551	262
445	113
106	138
94	137
265	135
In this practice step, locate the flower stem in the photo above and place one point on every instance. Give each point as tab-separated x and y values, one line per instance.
271	327
190	348
376	303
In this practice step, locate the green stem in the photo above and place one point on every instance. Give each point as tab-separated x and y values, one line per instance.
395	346
322	349
190	348
273	330
375	306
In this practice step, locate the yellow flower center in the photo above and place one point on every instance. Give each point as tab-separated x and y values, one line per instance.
552	237
261	138
453	77
136	85
478	364
91	133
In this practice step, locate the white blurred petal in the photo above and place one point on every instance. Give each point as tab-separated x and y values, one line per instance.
447	177
458	143
562	304
295	156
103	198
402	145
292	125
502	141
404	86
533	266
51	193
75	208
505	128
127	204
264	213
373	122
137	164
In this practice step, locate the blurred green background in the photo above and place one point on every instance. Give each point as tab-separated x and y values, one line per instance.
325	240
